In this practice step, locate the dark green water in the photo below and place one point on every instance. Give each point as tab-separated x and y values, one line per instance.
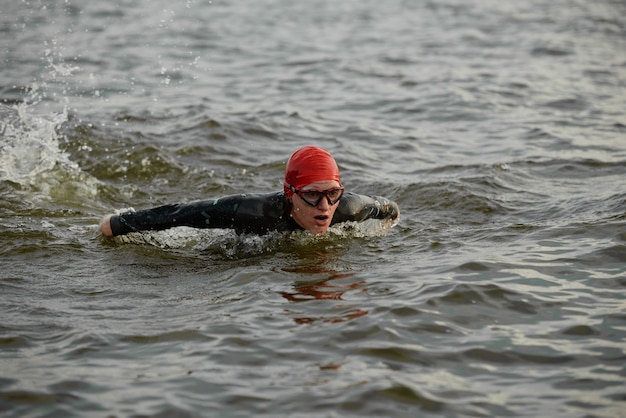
498	127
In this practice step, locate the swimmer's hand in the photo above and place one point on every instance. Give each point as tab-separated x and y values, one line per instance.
105	226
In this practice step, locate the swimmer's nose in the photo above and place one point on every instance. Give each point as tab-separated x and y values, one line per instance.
324	203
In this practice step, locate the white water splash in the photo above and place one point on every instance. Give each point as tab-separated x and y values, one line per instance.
227	243
32	161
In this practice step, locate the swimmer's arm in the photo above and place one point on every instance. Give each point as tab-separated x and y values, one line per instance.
355	207
245	212
218	213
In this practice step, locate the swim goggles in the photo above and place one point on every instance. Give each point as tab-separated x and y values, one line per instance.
314	197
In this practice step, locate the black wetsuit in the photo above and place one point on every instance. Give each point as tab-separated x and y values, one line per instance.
246	213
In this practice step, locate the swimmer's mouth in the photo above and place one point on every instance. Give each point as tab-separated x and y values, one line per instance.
321	217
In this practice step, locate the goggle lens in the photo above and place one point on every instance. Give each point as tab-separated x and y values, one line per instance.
314	197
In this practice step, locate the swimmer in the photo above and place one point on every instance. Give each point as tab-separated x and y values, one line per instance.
312	199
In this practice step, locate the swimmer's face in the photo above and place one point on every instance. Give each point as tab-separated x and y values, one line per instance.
317	218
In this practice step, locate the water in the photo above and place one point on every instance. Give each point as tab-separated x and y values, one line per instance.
498	127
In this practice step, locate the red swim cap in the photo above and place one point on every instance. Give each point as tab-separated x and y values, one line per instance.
309	165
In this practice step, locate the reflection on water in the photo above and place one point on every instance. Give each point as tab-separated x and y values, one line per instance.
321	290
325	290
327	284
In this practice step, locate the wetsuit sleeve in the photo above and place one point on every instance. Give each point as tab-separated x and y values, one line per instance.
355	207
244	213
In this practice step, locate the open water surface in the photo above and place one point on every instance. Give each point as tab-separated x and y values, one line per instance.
499	127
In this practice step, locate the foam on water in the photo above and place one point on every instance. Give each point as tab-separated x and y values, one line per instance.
226	243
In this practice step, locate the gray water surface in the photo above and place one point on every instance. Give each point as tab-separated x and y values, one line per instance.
498	127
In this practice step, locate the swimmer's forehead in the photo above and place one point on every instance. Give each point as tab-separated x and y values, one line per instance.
322	185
